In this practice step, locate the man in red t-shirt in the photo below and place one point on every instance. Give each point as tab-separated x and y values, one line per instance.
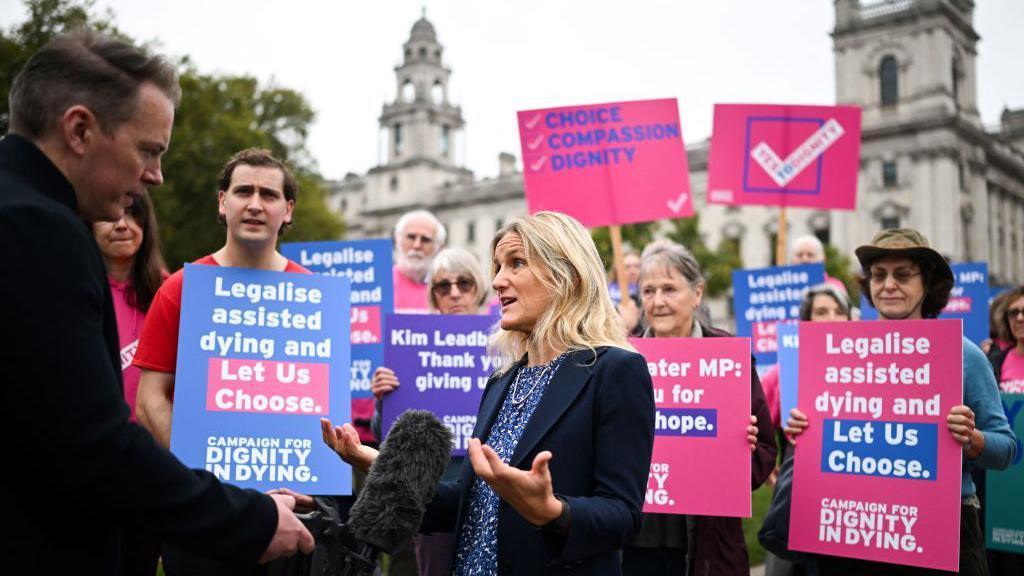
256	198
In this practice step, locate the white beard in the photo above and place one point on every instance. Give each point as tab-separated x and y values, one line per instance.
414	265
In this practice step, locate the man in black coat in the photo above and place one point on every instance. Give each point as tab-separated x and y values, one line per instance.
90	117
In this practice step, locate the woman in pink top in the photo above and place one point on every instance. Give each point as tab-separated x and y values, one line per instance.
131	251
135	269
1008	361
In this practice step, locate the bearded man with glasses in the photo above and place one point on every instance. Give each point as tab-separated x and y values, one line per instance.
419	236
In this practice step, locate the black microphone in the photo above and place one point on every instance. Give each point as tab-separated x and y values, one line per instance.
402	481
389	510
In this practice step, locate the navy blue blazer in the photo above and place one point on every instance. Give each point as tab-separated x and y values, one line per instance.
597	419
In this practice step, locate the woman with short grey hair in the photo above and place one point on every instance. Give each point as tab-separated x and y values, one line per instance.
672	291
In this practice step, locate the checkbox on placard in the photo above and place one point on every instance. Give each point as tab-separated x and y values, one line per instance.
763	158
537	163
532	121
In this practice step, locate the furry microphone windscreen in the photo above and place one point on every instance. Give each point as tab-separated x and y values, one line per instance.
401	481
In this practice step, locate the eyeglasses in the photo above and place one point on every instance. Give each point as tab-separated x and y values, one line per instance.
901	275
444	287
1014	312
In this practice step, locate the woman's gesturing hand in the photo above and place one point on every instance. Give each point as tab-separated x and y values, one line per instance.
344	440
529	492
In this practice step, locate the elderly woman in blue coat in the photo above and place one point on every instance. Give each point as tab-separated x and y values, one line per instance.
556	473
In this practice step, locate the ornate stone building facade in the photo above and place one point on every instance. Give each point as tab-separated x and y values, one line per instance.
926	161
420	130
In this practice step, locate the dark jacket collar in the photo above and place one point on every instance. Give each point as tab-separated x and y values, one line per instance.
565	385
20	156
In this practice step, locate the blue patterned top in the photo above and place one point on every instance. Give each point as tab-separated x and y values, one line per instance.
477	552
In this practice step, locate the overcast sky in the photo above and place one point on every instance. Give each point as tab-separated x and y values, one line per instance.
514	55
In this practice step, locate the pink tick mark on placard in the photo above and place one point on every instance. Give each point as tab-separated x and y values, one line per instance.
532	122
533	144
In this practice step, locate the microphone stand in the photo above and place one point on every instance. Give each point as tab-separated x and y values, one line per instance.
337	551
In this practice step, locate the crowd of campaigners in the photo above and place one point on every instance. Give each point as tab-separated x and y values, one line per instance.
556	473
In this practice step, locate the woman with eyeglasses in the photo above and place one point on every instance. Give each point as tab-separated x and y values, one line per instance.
556	470
457	286
906	279
1008	363
1008	368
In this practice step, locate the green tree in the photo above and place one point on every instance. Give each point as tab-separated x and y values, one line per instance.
837	265
46	19
635	235
717	265
218	116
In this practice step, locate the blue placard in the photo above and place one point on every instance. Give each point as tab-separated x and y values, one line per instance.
262	356
880	448
616	294
688	422
367	263
789	368
968	301
995	290
762	297
442	365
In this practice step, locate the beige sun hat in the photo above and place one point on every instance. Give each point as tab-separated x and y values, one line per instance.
904	242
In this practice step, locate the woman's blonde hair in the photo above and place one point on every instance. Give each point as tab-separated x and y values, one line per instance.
460	262
563	257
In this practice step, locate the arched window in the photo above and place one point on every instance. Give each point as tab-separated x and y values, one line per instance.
956	72
965	232
408	91
446	140
889	79
437	92
889	179
423	52
396	131
889	222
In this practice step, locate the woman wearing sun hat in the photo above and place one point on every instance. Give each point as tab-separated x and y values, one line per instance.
906	279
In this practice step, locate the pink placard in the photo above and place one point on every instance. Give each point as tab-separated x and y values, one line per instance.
365	325
806	156
877	473
267	387
614	163
702	403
